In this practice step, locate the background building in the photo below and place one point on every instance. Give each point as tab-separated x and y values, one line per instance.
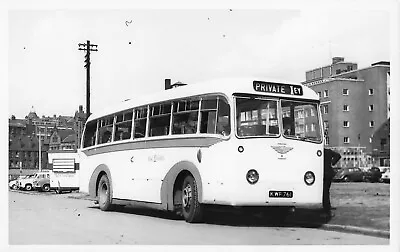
381	145
354	104
57	134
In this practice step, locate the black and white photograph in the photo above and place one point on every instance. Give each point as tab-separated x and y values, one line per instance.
219	124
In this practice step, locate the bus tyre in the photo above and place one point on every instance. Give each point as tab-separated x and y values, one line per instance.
191	209
28	187
46	188
104	194
14	187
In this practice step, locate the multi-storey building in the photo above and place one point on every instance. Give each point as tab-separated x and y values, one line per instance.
354	104
381	145
57	134
80	119
23	153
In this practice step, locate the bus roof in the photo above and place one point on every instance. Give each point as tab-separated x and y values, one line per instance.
226	86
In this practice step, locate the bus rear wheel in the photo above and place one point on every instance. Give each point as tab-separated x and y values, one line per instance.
104	194
191	208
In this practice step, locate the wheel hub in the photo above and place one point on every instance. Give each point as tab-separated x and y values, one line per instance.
186	196
103	193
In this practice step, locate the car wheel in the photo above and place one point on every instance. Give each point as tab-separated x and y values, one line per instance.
346	179
14	187
46	188
28	187
104	194
191	208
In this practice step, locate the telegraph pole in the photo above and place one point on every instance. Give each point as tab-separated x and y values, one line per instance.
88	48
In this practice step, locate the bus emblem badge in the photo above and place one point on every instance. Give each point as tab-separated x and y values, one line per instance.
282	149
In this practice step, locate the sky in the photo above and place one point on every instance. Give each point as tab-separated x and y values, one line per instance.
139	48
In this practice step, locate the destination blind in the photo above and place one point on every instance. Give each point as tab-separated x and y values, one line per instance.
278	88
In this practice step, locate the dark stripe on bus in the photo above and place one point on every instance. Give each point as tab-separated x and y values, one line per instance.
156	143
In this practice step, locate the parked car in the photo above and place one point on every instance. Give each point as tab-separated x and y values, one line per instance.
386	176
372	175
352	174
336	169
13	184
42	181
26	183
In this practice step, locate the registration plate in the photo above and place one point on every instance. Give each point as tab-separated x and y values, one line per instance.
281	194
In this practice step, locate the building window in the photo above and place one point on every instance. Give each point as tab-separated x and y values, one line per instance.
346	124
326	93
319	94
325	109
371	91
345	107
313	127
371	107
346	140
383	143
327	140
371	124
326	125
345	91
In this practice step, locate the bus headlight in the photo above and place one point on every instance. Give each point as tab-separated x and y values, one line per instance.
252	176
309	178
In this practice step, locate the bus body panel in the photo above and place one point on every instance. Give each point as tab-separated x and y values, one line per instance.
139	172
225	175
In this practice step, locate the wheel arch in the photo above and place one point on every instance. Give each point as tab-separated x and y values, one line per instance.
95	178
176	174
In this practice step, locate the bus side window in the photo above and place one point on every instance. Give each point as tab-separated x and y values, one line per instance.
140	122
90	134
185	117
105	129
208	115
160	119
123	126
223	124
185	123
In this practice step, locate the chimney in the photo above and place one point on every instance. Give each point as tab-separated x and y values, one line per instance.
337	60
167	84
80	108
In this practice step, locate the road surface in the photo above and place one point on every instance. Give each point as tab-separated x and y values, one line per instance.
52	219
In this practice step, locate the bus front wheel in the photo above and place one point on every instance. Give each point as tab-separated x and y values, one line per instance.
191	208
104	194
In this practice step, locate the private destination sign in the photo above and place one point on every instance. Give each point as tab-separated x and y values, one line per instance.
278	88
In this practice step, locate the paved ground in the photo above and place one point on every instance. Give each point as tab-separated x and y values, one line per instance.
361	204
57	219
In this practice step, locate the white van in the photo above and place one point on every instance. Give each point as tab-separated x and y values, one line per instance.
65	171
